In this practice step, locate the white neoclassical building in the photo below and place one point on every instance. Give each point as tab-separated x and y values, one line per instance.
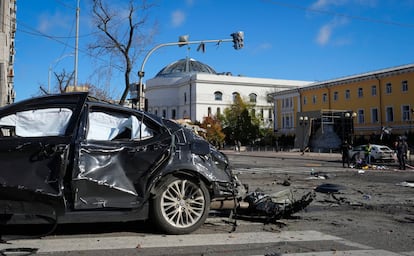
189	89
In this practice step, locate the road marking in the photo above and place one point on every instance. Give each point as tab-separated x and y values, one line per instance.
52	244
346	253
91	243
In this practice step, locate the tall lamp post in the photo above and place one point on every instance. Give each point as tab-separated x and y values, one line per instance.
238	43
51	67
303	122
349	121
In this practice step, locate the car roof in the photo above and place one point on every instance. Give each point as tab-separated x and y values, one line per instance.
372	145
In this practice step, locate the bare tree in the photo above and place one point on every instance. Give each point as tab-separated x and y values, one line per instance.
63	80
123	34
102	94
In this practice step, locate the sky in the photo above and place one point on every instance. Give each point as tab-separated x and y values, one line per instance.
309	40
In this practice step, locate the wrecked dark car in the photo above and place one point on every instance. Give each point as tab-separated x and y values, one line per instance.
70	158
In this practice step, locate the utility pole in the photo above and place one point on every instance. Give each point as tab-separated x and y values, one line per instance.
75	81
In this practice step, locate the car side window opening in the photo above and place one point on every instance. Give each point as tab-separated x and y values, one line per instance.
36	123
115	126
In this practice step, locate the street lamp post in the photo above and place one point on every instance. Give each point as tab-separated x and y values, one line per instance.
349	123
303	122
237	39
51	67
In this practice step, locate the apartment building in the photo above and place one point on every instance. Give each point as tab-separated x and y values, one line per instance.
368	105
8	10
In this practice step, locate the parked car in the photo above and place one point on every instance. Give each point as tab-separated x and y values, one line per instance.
69	158
379	153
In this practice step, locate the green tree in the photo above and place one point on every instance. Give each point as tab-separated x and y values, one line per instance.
240	122
214	133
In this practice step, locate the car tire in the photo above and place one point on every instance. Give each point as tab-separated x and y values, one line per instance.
181	205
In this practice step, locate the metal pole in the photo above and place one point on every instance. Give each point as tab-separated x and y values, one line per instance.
75	81
52	65
48	78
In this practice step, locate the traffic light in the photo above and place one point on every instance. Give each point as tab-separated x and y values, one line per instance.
238	40
183	40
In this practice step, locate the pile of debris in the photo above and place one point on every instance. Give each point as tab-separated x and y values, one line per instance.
270	208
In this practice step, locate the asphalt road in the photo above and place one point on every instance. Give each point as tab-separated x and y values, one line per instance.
374	207
371	214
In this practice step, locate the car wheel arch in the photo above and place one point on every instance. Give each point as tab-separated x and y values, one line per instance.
183	174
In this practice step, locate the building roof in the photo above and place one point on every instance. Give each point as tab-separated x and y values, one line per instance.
363	76
188	66
352	78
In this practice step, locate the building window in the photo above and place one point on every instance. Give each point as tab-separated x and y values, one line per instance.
374	115
185	98
287	103
286	122
156	112
235	95
374	90
218	96
173	114
218	113
404	86
335	96
209	111
360	92
388	88
269	99
389	114
269	114
324	97
314	99
405	113
253	97
361	117
347	94
164	113
304	100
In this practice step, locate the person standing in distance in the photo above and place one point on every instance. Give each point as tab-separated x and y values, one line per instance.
402	149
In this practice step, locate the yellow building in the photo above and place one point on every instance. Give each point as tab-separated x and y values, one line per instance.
366	105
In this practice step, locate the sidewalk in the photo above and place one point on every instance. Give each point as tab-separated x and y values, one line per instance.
285	154
298	155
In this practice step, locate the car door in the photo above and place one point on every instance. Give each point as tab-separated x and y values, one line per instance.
116	157
35	140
